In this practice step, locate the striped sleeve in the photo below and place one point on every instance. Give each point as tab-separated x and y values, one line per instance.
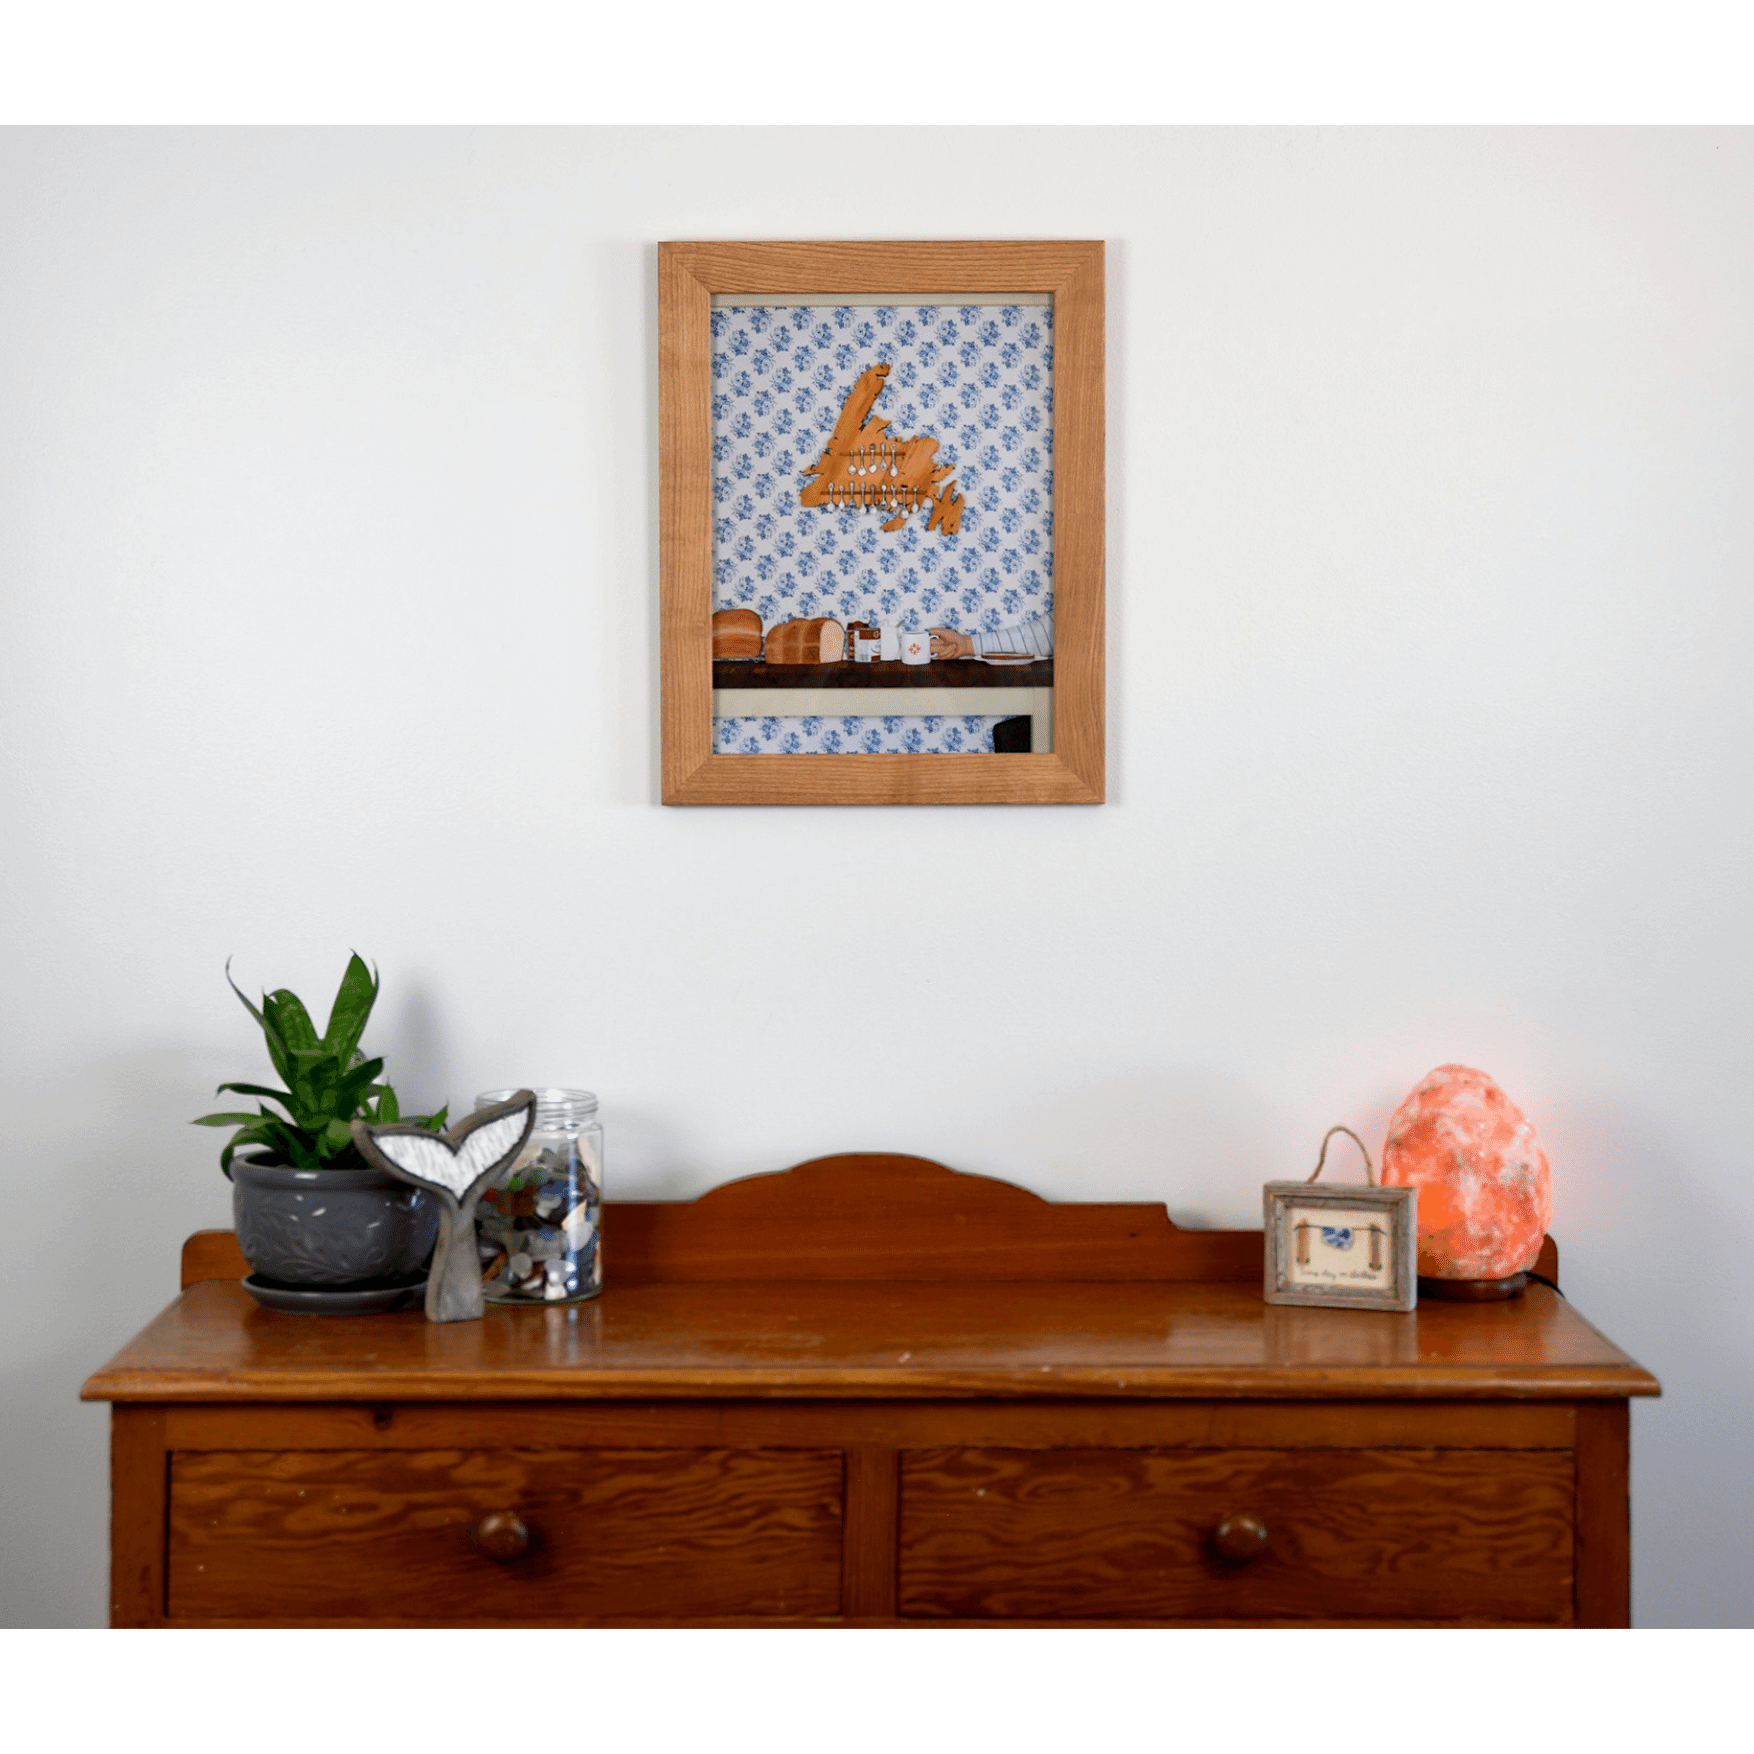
1034	635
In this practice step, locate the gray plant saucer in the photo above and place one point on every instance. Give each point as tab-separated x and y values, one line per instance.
373	1298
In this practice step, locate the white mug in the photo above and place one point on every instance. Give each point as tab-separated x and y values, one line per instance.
916	648
889	645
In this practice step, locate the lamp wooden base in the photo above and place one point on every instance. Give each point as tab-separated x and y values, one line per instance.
1472	1290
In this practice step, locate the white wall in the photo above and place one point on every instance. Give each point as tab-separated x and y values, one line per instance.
328	540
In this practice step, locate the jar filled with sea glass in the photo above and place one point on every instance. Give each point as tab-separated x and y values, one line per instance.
537	1225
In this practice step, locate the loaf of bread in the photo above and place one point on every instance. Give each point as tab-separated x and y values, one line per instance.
736	633
817	640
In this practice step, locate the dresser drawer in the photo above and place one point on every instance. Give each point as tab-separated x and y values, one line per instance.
393	1534
1130	1534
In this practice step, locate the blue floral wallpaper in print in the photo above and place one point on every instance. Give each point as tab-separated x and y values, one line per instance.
855	734
979	379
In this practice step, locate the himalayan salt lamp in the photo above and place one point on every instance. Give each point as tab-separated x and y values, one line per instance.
1483	1181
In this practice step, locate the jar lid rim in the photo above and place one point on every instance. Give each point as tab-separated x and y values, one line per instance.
547	1096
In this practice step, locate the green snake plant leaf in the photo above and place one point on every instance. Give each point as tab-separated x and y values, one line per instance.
264	1131
354	999
299	1146
311	1076
276	1047
329	1081
287	1013
352	1088
280	1096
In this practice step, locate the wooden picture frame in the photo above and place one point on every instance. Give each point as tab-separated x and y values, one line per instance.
1381	1223
690	277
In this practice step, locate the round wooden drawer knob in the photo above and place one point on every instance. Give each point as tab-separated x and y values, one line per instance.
501	1535
1241	1538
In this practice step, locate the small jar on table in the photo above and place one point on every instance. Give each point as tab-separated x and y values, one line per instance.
538	1225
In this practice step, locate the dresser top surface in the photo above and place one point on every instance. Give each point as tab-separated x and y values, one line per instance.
859	1340
864	1277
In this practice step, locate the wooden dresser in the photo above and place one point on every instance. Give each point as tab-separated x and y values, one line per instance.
872	1391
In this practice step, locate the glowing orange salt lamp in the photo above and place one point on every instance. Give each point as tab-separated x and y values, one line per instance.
1484	1186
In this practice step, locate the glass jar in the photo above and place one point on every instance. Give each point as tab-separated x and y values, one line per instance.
538	1222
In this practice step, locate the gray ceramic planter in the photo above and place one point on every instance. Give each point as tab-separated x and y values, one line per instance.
330	1226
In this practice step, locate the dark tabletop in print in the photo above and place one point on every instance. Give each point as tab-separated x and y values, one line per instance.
958	673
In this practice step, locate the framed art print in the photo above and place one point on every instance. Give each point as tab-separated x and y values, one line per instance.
1349	1247
881	527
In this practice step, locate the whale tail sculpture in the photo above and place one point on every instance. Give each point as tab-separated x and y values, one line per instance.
866	469
455	1165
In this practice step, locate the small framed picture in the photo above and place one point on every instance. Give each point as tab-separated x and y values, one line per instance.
1347	1247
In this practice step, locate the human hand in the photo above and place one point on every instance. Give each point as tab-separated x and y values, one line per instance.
947	643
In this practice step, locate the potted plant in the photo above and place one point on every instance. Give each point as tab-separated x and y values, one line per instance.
310	1211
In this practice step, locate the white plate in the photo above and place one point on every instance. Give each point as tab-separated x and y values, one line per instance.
1009	662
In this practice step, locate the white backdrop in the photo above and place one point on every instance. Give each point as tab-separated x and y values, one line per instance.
328	544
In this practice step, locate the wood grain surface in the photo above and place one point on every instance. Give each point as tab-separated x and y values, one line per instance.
689	275
874	1215
876	1425
872	1476
852	1339
139	1468
213	1254
870	1389
1604	1514
880	1216
885	1276
353	1534
208	1441
1095	1533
